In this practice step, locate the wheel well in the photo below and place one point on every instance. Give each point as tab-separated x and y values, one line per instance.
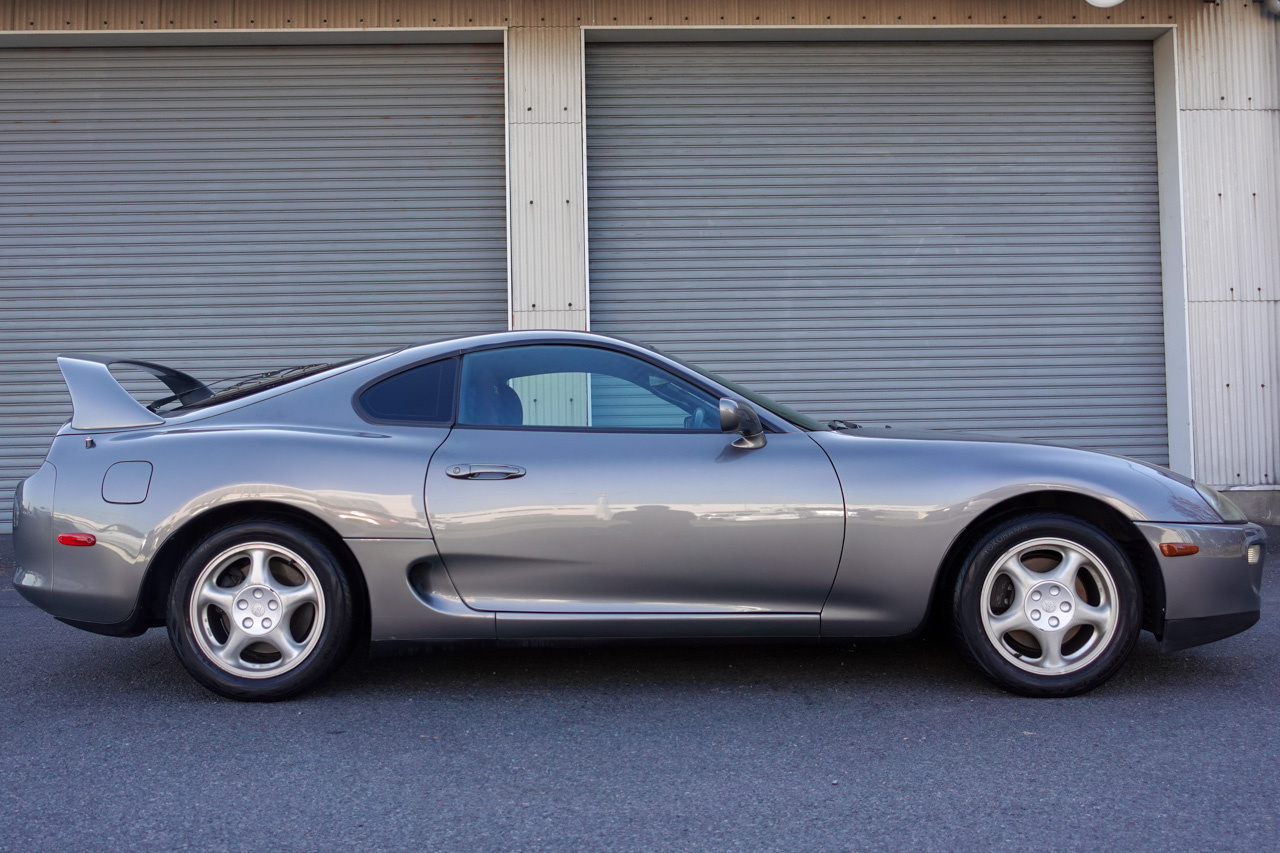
164	565
1083	507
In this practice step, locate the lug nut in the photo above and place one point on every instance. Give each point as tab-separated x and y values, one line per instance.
248	623
1053	621
1035	614
242	604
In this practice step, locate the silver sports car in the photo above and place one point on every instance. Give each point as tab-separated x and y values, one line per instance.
544	487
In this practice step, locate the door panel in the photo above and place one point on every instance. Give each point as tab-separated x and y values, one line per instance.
611	522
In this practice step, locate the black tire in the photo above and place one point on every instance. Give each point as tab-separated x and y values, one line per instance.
1021	660
315	616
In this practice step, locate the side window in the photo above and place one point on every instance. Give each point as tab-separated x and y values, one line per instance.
581	387
422	394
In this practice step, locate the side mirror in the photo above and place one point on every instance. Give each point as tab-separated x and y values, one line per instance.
740	417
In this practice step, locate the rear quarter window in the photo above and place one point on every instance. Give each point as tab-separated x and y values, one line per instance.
419	395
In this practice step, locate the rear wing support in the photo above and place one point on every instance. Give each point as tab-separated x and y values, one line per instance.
100	402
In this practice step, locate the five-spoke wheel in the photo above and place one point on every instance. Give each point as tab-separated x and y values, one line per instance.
260	610
1047	605
257	610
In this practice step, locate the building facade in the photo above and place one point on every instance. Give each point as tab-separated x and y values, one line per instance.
1044	219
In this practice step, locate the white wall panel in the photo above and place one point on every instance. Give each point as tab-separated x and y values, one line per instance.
548	232
1230	58
1237	393
1232	200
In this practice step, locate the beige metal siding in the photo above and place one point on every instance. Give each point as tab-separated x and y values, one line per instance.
548	232
321	14
1230	81
1231	381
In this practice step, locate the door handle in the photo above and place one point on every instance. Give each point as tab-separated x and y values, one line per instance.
485	472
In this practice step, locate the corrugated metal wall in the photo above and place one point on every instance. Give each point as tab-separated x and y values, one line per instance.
1228	55
230	210
548	238
958	235
1230	86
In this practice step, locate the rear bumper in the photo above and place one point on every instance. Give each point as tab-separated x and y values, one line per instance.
1213	593
33	537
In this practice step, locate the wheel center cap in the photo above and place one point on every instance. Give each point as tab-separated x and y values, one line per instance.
1050	606
256	610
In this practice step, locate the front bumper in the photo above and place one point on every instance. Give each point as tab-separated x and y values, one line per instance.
1213	593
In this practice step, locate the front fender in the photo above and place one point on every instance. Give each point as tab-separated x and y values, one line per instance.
907	500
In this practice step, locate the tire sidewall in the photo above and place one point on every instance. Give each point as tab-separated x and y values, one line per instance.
967	605
335	633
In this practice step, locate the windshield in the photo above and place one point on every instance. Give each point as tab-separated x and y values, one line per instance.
785	412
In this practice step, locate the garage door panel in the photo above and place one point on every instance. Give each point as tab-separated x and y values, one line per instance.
230	210
961	235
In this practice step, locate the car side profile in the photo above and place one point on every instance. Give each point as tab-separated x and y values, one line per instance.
543	487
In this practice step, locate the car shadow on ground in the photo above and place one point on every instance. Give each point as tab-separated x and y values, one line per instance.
923	667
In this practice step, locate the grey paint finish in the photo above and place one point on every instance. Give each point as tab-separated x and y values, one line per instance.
99	402
1216	580
33	536
641	626
909	495
644	523
127	482
237	209
945	235
905	498
428	610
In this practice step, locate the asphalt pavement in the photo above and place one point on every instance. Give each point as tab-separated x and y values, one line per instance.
108	745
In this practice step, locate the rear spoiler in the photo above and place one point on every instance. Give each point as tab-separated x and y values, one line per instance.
100	402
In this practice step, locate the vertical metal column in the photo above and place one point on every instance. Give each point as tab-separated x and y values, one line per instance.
547	229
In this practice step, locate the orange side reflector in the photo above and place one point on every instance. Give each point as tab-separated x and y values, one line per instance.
1178	549
81	539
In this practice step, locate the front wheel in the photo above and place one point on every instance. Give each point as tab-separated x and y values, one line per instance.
1047	605
260	610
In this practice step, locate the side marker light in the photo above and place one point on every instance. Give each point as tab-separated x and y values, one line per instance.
1178	549
80	539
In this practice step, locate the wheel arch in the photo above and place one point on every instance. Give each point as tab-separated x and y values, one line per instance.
168	557
1084	507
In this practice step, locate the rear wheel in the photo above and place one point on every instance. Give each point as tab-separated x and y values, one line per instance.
260	610
1047	605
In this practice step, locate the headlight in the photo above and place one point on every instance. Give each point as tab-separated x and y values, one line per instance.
1220	503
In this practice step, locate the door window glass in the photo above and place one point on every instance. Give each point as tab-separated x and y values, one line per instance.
579	387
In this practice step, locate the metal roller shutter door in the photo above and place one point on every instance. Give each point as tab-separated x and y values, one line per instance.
950	235
231	210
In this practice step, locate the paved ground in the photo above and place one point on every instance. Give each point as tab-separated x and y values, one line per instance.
107	745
